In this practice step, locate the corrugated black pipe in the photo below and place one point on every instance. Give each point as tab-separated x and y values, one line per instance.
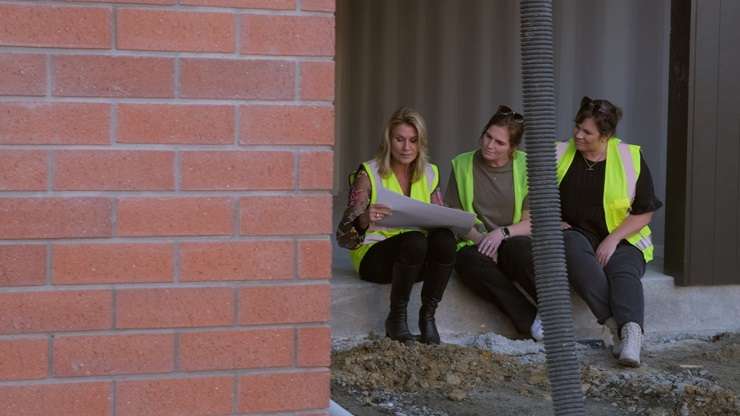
544	202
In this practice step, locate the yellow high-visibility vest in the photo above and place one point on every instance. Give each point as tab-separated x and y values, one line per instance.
462	165
421	190
620	184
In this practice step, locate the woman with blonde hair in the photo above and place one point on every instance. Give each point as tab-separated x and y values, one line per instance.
399	256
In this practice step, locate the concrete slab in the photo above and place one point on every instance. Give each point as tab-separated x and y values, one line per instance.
671	309
359	307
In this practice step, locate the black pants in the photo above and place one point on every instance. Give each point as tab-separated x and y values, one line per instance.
493	281
614	290
411	248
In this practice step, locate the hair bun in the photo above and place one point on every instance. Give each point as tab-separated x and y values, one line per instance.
586	100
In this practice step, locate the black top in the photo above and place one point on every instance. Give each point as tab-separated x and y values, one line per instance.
582	195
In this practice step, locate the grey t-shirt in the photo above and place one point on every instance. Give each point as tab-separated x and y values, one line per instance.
493	193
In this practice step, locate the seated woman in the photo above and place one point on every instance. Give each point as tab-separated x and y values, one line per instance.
492	183
400	257
608	200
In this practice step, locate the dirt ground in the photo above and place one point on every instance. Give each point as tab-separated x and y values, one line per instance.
491	375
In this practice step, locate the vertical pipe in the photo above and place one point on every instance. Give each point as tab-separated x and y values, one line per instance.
544	201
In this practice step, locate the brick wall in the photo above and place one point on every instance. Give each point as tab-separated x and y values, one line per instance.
165	210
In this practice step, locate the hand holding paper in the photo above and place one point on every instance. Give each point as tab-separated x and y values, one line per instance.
407	212
376	212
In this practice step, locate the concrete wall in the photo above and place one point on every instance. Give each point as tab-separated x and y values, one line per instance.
159	160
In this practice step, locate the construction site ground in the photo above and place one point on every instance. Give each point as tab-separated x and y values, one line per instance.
488	374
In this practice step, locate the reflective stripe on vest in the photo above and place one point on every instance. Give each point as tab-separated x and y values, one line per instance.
421	190
462	165
620	185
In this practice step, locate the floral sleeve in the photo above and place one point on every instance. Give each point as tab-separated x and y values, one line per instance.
349	234
437	198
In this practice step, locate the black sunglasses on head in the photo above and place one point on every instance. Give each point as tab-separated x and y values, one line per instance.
599	106
505	111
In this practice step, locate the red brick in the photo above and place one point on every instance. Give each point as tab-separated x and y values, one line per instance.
316	170
22	74
287	35
24	359
314	259
230	79
112	263
237	170
22	265
56	27
128	1
287	125
314	347
318	5
174	308
226	350
27	218
206	396
55	311
284	304
109	355
317	81
237	260
113	76
157	30
175	216
284	392
175	124
285	215
114	170
78	399
59	123
23	170
246	4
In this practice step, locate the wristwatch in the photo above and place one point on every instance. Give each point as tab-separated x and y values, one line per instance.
506	232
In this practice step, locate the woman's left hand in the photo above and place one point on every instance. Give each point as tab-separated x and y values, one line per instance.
490	243
605	250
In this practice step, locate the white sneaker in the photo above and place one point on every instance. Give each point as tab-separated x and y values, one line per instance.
610	335
536	329
631	345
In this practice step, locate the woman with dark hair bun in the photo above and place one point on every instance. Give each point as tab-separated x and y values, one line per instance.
491	182
608	200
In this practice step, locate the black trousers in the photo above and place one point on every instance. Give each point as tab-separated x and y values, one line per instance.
494	281
411	248
614	290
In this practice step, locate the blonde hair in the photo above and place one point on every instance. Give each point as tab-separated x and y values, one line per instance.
404	115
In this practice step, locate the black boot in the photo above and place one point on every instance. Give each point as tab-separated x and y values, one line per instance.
434	287
404	277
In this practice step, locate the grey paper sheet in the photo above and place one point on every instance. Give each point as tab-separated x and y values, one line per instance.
407	212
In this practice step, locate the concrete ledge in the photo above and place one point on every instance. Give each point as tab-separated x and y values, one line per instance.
671	309
359	307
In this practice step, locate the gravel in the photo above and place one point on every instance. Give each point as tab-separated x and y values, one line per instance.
681	375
